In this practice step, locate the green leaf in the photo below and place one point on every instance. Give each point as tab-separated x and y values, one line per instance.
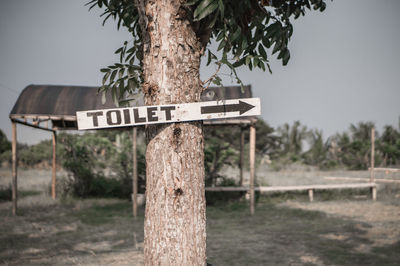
121	72
248	60
207	11
212	22
261	65
277	46
104	70
93	5
220	36
269	68
113	74
221	45
205	8
105	77
131	50
103	97
132	84
221	8
323	6
191	2
114	95
236	34
255	61
135	68
118	50
280	54
286	57
209	58
273	29
239	62
244	44
121	88
262	51
102	88
217	81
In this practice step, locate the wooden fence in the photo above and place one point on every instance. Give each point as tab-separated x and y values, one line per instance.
309	188
374	169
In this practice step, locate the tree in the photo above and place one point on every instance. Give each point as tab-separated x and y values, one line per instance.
389	145
318	152
219	150
292	138
354	148
163	60
5	145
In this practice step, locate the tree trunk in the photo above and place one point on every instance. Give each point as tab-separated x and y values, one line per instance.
175	222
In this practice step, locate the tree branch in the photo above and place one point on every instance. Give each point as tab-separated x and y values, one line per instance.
210	79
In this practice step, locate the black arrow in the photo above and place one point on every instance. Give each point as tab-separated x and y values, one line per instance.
242	107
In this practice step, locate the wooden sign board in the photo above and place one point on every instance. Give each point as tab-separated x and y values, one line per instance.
144	115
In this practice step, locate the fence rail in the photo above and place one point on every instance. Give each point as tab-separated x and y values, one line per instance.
309	188
377	180
381	169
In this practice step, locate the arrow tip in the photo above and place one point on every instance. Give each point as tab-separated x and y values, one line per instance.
244	107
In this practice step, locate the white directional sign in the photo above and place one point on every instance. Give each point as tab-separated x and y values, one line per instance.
132	116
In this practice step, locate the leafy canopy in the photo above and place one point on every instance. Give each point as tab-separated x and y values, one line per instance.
247	32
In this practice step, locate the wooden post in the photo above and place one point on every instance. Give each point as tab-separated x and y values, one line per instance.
241	162
134	173
372	178
14	182
53	176
252	163
311	195
373	192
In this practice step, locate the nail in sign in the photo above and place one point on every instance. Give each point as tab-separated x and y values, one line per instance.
143	115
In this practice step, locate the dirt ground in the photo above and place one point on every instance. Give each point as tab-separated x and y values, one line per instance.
340	228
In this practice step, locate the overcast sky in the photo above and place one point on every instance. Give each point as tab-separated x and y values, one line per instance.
344	67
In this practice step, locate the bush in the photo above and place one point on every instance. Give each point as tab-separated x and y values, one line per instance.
99	187
214	197
35	154
88	157
219	150
5	148
6	157
5	193
5	145
109	188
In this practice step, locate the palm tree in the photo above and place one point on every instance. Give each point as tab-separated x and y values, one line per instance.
390	145
355	147
317	154
292	137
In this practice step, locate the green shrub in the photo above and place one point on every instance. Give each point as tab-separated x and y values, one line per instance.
5	156
5	193
219	150
88	157
77	159
214	197
35	154
5	145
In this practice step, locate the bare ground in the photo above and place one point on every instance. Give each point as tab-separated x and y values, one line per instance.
336	229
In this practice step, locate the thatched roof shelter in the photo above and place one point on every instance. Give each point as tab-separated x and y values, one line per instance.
39	104
54	107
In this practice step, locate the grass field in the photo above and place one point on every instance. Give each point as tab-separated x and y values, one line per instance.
339	228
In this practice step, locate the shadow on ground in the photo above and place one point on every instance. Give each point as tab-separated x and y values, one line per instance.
288	236
103	232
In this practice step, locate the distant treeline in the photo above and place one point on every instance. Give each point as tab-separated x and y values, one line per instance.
297	144
111	149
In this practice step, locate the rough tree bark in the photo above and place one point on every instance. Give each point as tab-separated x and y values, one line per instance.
175	222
